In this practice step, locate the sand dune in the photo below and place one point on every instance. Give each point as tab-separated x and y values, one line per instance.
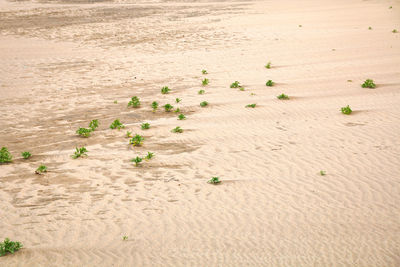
65	63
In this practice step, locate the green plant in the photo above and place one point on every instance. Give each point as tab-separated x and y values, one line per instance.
235	84
136	140
241	88
9	247
300	25
181	117
149	155
283	97
204	72
84	132
369	28
168	107
117	125
269	83
322	173
251	105
394	31
205	81
79	152
137	160
165	90
177	100
5	155
26	155
368	84
390	7
145	126
201	92
346	110
115	102
128	134
94	124
125	238
154	105
41	169
203	104
268	66
350	81
177	130
177	110
135	102
214	180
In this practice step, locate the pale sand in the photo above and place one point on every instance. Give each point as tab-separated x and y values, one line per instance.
64	65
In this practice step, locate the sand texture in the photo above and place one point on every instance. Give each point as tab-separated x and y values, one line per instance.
65	63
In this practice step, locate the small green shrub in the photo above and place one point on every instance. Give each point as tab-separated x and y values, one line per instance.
214	180
181	117
115	102
235	84
128	134
145	126
168	107
369	28
9	246
5	155
177	100
204	72
177	110
268	66
117	125
205	81
177	130
125	238
94	124
137	160
269	83
322	173
41	169
154	106
251	105
26	155
165	90
136	140
135	102
84	132
346	110
149	156
394	31
283	97
241	88
203	104
201	92
368	84
79	152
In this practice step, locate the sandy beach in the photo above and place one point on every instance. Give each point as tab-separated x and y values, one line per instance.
65	63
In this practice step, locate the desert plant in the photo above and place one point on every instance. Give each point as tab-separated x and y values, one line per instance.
128	134
268	66
145	126
125	238
203	104
9	246
115	102
41	169
135	102
165	90
149	155
168	107
368	84
181	117
200	92
269	83
136	140
369	28
235	84
251	105
205	81
394	31
177	110
177	100
214	180
322	173
283	97
94	124
5	155
117	125
346	110
154	106
177	130
26	155
204	72
137	160
84	132
79	152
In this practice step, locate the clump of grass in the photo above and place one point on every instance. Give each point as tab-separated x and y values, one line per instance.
26	155
203	104
117	125
269	83
268	66
368	84
214	180
235	84
168	107
322	173
94	124
346	110
181	117
251	105
177	110
177	100
165	90
149	156
205	81
84	132
137	160
128	134
394	31
5	155
137	140
135	102
41	169
154	106
241	88
79	152
125	238
283	97
201	92
115	102
177	130
145	126
9	246
204	72
369	28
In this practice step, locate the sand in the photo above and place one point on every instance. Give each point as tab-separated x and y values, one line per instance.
65	63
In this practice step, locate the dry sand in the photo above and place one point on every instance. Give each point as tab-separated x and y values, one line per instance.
64	63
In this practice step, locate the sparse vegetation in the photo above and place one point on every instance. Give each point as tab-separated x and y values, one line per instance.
394	31
177	110
9	246
145	126
135	102
115	102
269	83
251	105
165	90
177	100
128	134
214	180
283	97
204	72
85	132
205	81
136	140
235	84
117	125
125	238
79	152
149	155
203	104
241	88
41	169
346	110
177	130
5	155
181	117
368	84
154	106
322	173
369	28
94	124
268	66
168	107
200	92
137	160
26	155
